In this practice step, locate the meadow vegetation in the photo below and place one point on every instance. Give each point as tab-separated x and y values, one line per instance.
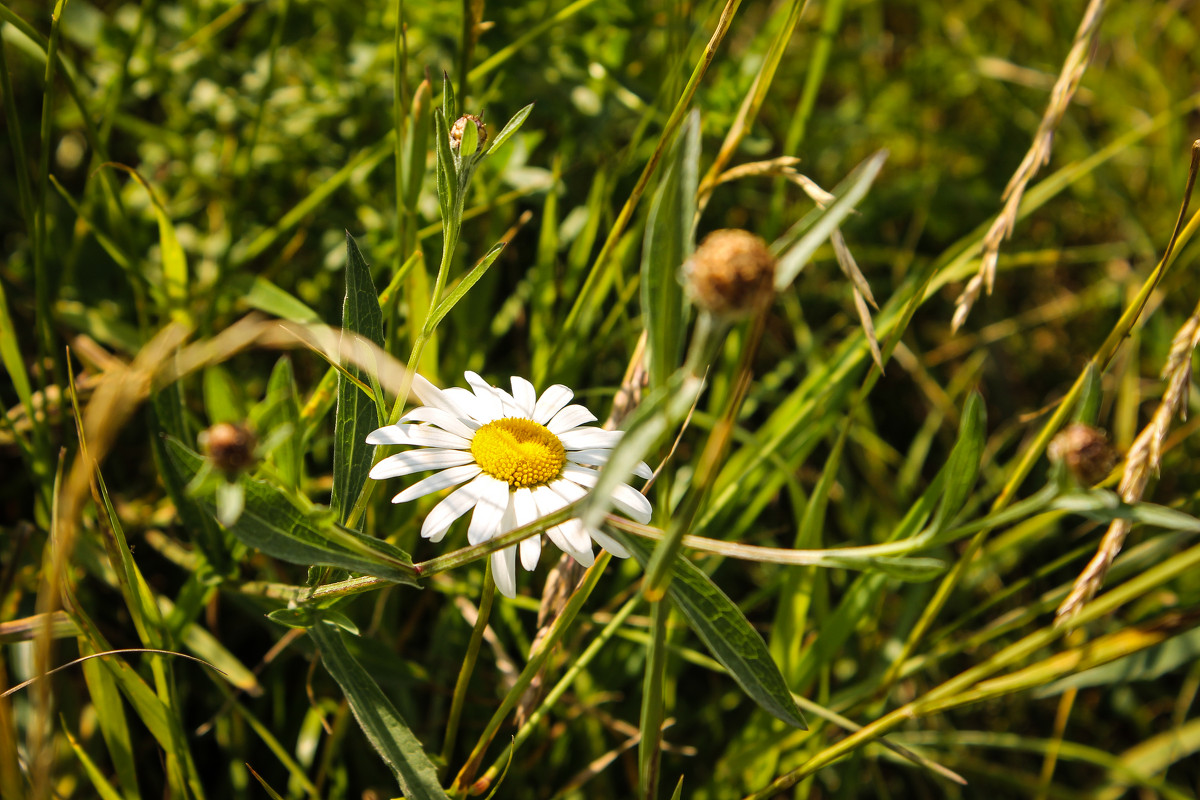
231	234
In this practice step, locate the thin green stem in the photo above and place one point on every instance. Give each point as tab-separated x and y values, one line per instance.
468	667
653	702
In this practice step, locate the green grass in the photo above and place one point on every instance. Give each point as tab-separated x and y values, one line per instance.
198	196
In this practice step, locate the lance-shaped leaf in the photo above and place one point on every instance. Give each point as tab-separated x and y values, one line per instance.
357	413
726	633
274	524
378	718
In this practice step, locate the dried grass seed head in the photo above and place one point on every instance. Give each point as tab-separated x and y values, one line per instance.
732	272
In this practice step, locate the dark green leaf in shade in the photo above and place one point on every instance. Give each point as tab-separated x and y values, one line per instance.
357	413
274	524
378	718
726	632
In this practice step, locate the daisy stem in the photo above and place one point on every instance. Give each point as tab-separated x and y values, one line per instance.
466	776
468	666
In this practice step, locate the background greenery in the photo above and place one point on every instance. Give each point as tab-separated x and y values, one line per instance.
261	133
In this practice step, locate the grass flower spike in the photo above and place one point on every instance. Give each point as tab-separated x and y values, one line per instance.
515	457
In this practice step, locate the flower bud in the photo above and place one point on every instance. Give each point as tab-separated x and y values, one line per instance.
230	447
1086	452
731	273
468	134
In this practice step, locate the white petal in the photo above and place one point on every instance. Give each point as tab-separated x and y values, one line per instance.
438	481
426	392
609	543
430	395
551	401
525	396
581	475
632	502
442	516
567	490
569	536
570	417
464	427
504	571
468	402
425	458
531	551
525	511
489	510
598	457
422	435
588	438
489	401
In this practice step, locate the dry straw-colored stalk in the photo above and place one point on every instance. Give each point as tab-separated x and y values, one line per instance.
1038	156
1144	459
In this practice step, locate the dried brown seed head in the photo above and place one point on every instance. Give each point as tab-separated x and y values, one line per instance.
732	272
1086	452
459	129
230	447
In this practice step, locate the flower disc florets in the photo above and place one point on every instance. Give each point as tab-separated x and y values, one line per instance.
519	452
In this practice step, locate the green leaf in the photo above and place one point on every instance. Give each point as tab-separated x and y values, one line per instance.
167	420
510	128
357	413
962	468
449	110
258	292
416	145
280	409
667	245
272	523
1102	505
848	193
223	400
447	176
378	718
1144	665
726	632
463	286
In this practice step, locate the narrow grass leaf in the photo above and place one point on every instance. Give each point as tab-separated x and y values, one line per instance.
105	697
848	193
727	633
357	413
272	523
668	243
962	468
104	789
1147	665
1104	506
379	719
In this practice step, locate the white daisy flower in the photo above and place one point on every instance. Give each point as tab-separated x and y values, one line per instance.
515	458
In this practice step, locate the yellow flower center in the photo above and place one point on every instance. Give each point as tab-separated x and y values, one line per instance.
519	452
